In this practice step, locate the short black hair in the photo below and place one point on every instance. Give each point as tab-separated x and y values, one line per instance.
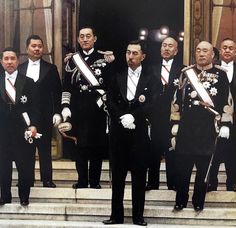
217	53
89	27
9	49
142	44
33	37
228	38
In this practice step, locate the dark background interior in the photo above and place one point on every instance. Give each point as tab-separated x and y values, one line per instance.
119	21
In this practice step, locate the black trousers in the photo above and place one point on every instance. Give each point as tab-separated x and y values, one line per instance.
89	174
44	152
184	167
23	154
157	152
138	180
226	152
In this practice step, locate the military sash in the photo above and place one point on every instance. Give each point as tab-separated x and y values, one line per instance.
201	91
88	75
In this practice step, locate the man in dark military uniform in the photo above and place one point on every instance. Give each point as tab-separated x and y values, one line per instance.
83	102
198	105
19	112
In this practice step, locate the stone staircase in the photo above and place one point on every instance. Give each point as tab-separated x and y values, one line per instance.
67	207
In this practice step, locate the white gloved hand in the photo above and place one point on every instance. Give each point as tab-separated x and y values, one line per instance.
65	113
56	120
131	126
224	132
173	143
108	55
127	120
174	129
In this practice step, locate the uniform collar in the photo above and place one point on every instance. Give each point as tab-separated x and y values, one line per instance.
204	67
89	52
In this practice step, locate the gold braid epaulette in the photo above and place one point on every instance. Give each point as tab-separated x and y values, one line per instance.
187	67
220	68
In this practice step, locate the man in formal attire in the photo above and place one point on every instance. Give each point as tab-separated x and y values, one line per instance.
226	151
47	81
167	73
84	86
130	98
199	115
17	100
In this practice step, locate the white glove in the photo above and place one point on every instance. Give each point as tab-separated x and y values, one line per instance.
56	120
108	56
173	144
127	121
65	113
174	129
224	132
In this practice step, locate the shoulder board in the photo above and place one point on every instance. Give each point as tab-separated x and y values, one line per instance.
187	67
220	68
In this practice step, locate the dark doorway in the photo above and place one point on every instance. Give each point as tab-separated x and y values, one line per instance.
119	21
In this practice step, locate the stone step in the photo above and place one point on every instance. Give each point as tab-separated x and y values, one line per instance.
103	196
65	174
67	207
98	212
78	224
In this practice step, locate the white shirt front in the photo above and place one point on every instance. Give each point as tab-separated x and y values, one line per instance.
165	70
132	82
11	77
230	69
33	70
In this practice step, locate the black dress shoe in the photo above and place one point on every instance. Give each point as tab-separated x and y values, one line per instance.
179	207
112	221
24	202
150	187
78	185
49	184
198	208
4	201
140	222
98	186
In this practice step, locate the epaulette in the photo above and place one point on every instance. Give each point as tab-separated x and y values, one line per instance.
187	67
220	68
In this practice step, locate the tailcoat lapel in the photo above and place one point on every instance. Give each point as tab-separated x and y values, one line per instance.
19	84
2	86
141	84
123	84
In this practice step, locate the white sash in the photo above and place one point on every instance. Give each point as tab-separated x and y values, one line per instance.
198	86
88	74
10	90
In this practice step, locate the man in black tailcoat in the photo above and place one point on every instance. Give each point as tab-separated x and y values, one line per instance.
48	84
226	148
83	102
130	99
17	97
166	73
